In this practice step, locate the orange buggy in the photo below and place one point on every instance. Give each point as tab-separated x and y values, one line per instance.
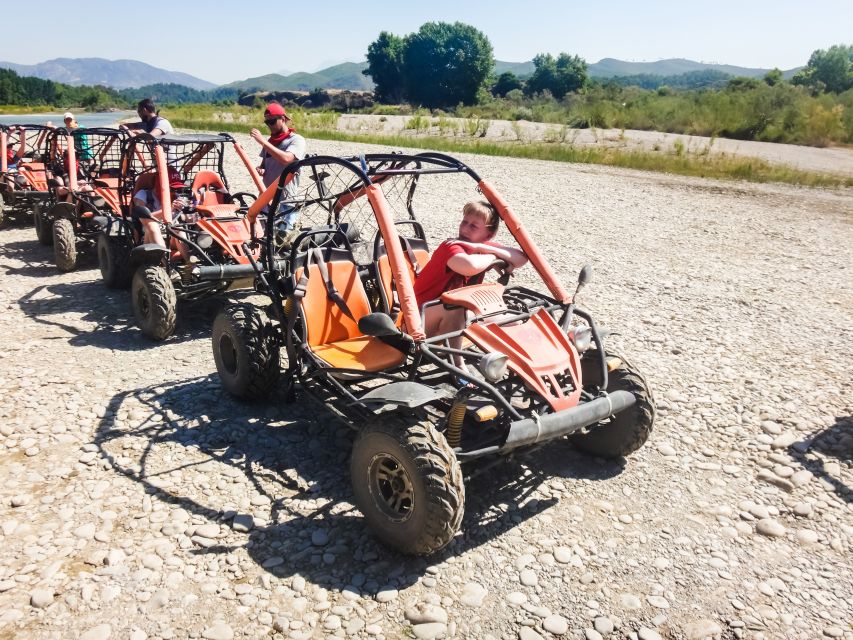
344	325
85	166
202	221
23	176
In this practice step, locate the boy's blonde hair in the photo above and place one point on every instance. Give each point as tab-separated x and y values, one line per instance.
485	211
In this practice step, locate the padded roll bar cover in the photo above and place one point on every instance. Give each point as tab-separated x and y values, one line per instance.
394	250
525	241
264	199
3	166
259	184
163	187
72	161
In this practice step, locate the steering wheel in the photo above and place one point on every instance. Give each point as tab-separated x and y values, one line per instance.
501	266
243	198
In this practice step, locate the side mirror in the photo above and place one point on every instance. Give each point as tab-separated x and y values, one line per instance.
377	325
584	277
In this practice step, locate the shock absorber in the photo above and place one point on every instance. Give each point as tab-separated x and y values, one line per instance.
455	418
288	306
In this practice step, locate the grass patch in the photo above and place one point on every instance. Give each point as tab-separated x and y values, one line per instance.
703	166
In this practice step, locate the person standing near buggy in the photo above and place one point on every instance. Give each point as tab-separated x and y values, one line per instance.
150	120
283	147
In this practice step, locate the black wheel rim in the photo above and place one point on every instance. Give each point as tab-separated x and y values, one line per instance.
228	354
391	487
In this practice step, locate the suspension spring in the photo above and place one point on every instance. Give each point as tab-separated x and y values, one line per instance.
455	417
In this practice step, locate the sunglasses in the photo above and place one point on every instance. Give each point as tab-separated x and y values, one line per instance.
271	121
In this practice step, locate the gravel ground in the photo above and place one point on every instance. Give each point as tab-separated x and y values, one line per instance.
139	501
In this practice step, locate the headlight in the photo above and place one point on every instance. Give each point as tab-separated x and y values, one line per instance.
493	366
581	337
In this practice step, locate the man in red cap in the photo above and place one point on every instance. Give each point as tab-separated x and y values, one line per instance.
283	147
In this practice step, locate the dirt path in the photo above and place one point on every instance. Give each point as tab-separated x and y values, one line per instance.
139	501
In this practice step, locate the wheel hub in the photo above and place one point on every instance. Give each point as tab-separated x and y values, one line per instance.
391	487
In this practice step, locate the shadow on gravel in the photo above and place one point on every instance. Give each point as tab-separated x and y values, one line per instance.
38	259
833	442
71	306
192	446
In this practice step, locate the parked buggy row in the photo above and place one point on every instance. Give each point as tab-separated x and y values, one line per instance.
340	319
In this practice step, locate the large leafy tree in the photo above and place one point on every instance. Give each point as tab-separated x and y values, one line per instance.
384	66
445	64
830	70
560	76
505	83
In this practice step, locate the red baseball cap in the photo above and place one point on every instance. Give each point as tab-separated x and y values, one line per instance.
275	110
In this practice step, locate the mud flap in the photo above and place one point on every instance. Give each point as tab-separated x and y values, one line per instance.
403	394
147	255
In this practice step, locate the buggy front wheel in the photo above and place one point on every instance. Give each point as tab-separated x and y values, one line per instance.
408	483
44	228
246	352
64	245
114	261
154	302
628	430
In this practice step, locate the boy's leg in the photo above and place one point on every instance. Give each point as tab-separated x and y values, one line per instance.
438	320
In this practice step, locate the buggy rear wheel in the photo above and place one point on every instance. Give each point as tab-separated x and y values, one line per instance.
628	430
246	352
408	483
44	228
114	261
154	302
64	245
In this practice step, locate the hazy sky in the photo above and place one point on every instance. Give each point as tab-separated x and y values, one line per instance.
224	41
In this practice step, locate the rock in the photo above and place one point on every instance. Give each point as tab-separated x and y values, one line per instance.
833	632
243	522
208	531
648	634
557	625
592	634
319	538
516	598
802	509
429	630
770	528
526	633
801	477
423	613
658	601
528	578
703	629
332	623
768	476
101	632
784	440
218	631
630	601
666	449
86	531
473	594
19	501
806	537
41	598
603	625
563	555
387	594
273	561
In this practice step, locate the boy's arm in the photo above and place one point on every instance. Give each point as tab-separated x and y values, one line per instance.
512	256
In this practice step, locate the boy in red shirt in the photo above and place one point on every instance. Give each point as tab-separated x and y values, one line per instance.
454	261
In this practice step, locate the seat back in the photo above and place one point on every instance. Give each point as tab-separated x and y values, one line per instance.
416	253
325	320
208	189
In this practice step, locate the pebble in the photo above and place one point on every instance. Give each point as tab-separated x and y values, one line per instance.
319	538
603	625
41	598
528	578
807	537
473	594
592	634
429	630
557	625
387	594
703	629
526	633
218	631
648	634
100	632
770	528
424	612
630	601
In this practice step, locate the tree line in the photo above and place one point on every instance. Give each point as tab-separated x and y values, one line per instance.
443	65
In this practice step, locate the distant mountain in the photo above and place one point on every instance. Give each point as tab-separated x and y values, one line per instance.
610	67
119	74
520	69
341	76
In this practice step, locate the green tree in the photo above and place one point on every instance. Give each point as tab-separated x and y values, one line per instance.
565	74
830	70
505	83
384	66
773	77
445	64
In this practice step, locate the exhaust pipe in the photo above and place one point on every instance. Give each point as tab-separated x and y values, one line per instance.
228	271
555	425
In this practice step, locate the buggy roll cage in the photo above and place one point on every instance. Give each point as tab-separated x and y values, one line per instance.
32	146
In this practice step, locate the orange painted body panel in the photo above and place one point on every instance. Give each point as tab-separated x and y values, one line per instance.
538	351
35	174
230	232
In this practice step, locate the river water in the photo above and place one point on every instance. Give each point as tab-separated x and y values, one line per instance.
105	119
